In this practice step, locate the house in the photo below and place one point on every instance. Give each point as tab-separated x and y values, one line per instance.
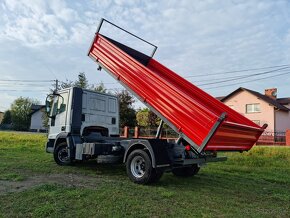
1	116
261	108
37	113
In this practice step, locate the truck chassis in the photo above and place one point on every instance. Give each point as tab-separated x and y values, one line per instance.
145	159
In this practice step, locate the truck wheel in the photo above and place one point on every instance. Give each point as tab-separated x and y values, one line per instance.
61	156
139	167
186	171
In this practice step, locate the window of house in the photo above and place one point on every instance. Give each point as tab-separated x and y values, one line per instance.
256	122
253	108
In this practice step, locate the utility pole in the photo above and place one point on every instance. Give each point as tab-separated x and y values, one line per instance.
56	84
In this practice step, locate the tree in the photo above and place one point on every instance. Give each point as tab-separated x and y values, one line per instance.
20	113
142	117
45	119
127	112
82	81
153	119
7	117
100	88
66	84
147	118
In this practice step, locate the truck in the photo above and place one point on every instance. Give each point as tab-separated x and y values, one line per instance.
85	125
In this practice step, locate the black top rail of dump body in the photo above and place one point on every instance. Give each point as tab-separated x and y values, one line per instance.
126	31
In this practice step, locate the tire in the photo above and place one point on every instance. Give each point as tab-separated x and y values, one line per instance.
139	168
60	155
186	171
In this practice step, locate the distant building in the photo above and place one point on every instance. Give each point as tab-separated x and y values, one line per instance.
261	108
1	116
37	118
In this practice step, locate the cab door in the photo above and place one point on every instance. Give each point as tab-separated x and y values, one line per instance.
58	122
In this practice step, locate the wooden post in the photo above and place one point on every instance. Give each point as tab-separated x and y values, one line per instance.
126	132
136	132
287	137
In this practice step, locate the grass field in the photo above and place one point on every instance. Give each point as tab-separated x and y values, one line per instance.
252	184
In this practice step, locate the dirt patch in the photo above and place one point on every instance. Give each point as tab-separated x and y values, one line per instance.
69	180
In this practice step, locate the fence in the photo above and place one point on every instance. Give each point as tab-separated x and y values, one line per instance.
267	138
166	133
140	132
6	126
272	138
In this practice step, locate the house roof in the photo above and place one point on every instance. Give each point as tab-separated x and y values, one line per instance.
283	100
36	107
220	97
277	103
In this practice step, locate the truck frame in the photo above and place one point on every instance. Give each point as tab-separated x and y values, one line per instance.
85	124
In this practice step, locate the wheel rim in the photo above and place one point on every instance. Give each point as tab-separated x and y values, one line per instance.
138	166
63	155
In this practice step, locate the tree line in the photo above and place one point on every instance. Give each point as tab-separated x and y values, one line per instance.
18	117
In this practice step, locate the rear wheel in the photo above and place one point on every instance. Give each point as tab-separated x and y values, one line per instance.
186	171
139	168
61	155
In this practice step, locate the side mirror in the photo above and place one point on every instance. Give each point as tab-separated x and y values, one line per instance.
48	104
47	107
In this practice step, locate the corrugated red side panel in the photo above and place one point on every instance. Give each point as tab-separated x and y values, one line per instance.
189	109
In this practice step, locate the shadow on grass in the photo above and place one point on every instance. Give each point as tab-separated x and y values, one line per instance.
100	168
202	180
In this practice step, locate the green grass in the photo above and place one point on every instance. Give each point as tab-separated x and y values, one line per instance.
252	184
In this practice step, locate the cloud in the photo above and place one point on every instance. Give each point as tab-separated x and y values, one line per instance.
35	23
202	37
6	101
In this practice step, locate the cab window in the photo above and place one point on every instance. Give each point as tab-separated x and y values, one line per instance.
59	104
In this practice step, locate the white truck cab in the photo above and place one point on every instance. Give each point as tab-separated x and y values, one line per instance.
99	113
76	113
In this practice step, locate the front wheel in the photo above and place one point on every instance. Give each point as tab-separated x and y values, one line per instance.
61	155
186	171
139	168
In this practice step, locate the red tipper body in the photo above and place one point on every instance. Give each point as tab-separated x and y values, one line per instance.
186	108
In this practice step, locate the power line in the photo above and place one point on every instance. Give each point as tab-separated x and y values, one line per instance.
221	73
24	84
248	81
101	83
237	71
244	76
283	67
226	72
230	77
115	89
22	80
237	77
25	90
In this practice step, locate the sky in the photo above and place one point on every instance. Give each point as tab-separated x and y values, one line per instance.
204	41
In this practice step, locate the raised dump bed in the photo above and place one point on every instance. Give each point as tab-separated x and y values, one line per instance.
203	121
